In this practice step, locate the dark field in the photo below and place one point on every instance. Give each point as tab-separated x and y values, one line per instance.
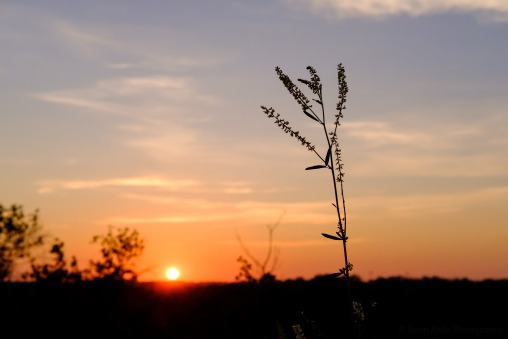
424	308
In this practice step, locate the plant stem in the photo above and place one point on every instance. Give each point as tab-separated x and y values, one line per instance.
341	222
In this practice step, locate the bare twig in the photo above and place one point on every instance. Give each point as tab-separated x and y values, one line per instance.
273	252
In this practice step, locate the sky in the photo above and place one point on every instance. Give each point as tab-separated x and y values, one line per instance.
146	114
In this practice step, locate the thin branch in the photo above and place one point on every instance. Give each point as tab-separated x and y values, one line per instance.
271	250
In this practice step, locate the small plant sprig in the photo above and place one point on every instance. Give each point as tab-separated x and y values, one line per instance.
331	160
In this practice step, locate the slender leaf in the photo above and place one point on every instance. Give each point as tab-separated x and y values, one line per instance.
328	155
315	167
334	275
311	116
330	236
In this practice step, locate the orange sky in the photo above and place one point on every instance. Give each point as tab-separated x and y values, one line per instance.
117	113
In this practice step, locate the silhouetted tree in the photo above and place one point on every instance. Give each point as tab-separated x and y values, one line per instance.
18	235
118	249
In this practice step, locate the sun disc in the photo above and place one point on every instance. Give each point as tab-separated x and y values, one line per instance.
172	273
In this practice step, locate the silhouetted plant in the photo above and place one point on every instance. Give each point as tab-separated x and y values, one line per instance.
56	272
299	332
266	272
118	250
18	235
331	157
245	273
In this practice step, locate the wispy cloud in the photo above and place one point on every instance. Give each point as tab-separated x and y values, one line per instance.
164	142
237	187
494	9
163	113
136	97
296	212
427	204
98	41
85	43
301	243
257	212
378	134
155	182
459	149
169	219
49	186
189	203
154	61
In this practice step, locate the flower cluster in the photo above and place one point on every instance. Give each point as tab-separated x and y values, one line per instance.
314	83
293	89
343	89
284	125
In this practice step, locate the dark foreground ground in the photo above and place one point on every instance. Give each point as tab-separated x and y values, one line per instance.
424	308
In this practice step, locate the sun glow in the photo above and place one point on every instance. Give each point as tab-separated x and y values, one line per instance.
172	273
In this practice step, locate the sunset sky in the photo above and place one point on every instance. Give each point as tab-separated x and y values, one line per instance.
146	114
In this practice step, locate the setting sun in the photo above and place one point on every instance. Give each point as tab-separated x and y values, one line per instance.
172	273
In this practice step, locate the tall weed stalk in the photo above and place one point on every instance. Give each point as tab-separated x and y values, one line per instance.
330	157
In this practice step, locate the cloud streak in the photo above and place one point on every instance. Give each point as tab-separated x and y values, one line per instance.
93	42
50	186
135	97
153	182
225	213
459	149
302	243
494	9
85	43
425	204
157	115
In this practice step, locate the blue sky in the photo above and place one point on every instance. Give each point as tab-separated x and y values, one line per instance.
146	114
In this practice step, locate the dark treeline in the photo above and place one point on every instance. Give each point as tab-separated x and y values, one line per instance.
404	308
